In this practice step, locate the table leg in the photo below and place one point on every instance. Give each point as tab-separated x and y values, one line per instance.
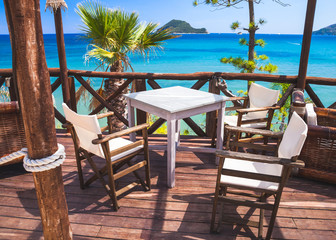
178	129
171	152
220	129
131	119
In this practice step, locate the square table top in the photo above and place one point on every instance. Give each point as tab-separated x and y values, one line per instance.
176	99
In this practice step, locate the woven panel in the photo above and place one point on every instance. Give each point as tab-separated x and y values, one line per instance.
12	136
326	121
319	153
319	150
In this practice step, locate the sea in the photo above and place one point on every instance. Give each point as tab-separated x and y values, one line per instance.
191	53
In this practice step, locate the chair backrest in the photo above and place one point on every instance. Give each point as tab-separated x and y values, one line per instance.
87	128
293	138
260	96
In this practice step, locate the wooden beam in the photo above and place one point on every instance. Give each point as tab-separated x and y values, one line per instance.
153	84
113	95
210	121
33	81
306	40
313	96
141	116
199	84
101	99
56	84
62	57
284	97
333	105
258	77
2	81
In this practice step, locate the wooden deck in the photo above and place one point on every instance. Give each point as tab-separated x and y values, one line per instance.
307	210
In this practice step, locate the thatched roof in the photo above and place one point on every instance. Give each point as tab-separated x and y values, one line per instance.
53	5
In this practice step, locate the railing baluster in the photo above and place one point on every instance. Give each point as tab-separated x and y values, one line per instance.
313	96
199	84
153	84
284	97
113	95
55	84
100	99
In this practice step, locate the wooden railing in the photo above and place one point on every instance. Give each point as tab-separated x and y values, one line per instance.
140	80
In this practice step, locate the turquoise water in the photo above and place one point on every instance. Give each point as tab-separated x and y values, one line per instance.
201	53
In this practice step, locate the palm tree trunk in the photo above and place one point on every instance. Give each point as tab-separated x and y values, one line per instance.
119	103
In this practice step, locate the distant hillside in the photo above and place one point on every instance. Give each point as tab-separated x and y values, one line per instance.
330	30
178	26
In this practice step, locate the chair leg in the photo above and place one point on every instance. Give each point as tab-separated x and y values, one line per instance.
219	191
214	211
79	170
112	186
261	217
147	169
273	216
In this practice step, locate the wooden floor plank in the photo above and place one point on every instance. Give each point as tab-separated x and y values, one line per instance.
307	210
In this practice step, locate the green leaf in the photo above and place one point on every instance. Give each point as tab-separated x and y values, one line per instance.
243	41
235	25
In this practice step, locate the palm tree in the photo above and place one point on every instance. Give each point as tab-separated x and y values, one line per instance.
114	35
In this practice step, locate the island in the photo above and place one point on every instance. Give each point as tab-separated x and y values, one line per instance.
330	30
179	26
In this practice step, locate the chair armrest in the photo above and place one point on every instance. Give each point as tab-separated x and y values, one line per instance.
260	158
267	133
121	133
236	98
67	125
247	110
103	115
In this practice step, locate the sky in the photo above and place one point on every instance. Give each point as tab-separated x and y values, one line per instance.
284	20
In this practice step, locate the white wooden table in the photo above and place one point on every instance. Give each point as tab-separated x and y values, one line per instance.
173	104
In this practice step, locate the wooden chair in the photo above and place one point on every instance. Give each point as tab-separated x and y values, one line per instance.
262	176
256	111
12	134
258	108
89	141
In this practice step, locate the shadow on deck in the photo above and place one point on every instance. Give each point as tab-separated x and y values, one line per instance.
307	210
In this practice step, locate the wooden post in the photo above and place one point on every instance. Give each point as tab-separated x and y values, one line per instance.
72	89
62	56
31	74
211	116
141	116
307	34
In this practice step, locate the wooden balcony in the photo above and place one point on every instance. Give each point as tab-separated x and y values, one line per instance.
307	209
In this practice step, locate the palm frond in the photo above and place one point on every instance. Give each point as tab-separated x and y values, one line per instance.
98	22
152	39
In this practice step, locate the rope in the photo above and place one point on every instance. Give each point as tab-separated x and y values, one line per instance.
47	163
21	153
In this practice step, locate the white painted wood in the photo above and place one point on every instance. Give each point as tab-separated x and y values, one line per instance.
178	129
171	151
173	104
176	99
220	129
131	118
